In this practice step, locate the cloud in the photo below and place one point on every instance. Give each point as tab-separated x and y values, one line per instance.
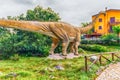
71	11
24	2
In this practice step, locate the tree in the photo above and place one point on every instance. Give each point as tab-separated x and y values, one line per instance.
84	24
116	29
29	42
41	14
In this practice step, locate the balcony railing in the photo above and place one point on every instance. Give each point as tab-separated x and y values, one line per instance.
114	23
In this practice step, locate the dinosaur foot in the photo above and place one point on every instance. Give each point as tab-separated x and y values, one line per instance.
76	54
51	53
64	55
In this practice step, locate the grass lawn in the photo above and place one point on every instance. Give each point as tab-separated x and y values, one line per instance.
113	48
109	49
36	68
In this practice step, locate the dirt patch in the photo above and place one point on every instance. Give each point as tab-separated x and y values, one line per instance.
59	56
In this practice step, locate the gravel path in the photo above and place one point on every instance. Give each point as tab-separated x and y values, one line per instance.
59	56
110	73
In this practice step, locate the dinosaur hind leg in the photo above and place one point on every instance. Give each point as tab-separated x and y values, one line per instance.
72	50
64	48
53	45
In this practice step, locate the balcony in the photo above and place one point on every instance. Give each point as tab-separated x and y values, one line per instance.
114	23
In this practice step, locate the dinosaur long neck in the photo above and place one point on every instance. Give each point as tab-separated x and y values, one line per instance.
22	25
89	26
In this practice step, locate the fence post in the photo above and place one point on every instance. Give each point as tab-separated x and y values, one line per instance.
100	60
113	57
86	66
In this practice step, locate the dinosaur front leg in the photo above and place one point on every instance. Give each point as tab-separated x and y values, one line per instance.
64	48
77	43
76	47
53	45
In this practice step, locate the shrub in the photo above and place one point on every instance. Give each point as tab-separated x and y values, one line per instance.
116	29
80	50
110	39
15	57
97	48
91	41
6	45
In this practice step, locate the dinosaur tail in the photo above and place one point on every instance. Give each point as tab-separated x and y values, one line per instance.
33	26
23	25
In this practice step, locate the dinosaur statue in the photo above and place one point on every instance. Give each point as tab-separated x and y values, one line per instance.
59	31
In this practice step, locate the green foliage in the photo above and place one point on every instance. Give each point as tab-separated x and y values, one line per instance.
116	29
24	42
84	24
97	48
41	14
6	44
109	39
80	50
32	44
91	41
15	57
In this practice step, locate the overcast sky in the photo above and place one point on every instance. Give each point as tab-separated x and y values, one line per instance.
71	11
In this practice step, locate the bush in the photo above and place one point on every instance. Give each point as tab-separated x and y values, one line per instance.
91	41
15	57
27	46
110	39
6	45
97	48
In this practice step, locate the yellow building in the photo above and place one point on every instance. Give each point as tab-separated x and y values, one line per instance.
106	20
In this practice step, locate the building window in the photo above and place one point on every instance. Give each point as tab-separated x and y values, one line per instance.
112	19
100	19
100	27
